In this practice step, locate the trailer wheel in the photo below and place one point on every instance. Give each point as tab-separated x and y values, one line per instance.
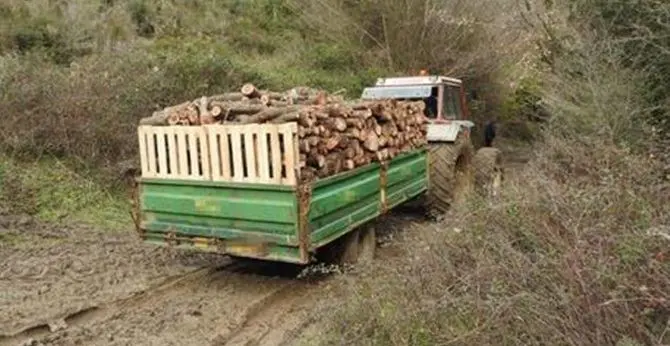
451	177
367	244
342	251
349	251
488	171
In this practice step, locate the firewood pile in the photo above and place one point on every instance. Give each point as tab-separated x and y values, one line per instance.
334	135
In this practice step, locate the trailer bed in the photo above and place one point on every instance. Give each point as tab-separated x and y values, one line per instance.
264	220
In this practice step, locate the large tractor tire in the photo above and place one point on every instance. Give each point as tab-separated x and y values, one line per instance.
450	172
488	166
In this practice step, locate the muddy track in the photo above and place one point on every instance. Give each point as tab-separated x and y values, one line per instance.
234	303
95	313
211	300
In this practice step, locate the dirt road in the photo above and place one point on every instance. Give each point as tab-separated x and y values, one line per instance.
80	286
76	285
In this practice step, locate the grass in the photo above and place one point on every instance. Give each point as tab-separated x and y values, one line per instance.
549	263
52	192
574	251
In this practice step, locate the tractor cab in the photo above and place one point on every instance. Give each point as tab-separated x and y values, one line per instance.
444	98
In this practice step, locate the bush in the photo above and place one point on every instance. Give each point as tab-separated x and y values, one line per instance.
575	251
556	261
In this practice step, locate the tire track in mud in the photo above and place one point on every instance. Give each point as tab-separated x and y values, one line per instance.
270	320
100	312
260	299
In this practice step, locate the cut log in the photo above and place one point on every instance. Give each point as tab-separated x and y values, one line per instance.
192	115
156	120
238	108
313	141
333	142
371	142
267	114
333	165
336	124
277	103
228	97
249	90
285	118
316	160
273	98
355	122
216	111
304	146
202	107
160	118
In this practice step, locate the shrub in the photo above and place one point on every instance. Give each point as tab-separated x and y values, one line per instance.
575	250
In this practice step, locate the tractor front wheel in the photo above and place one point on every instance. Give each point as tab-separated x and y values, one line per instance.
450	174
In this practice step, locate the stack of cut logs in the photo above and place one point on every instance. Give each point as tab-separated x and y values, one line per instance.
335	135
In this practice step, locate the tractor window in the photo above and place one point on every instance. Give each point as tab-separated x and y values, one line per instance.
456	91
431	104
452	102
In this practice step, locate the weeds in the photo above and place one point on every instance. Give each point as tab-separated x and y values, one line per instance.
572	253
52	192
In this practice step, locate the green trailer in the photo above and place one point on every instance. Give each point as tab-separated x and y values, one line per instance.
272	221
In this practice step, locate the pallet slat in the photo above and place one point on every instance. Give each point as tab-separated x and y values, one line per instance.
238	164
142	139
264	155
203	148
151	154
250	152
183	154
172	152
275	158
288	131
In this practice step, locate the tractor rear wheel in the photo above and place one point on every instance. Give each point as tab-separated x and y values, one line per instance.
450	172
488	168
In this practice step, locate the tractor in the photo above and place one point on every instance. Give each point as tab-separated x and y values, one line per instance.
456	168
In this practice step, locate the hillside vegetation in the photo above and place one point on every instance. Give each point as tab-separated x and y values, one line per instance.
76	76
574	252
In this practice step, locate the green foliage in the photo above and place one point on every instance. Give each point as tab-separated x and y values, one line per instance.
637	33
568	247
525	102
324	56
54	193
141	16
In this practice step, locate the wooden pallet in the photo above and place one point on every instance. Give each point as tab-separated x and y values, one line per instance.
255	153
174	152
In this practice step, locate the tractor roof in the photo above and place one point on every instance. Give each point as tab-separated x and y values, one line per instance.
417	80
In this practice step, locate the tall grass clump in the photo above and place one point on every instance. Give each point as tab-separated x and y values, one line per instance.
575	250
